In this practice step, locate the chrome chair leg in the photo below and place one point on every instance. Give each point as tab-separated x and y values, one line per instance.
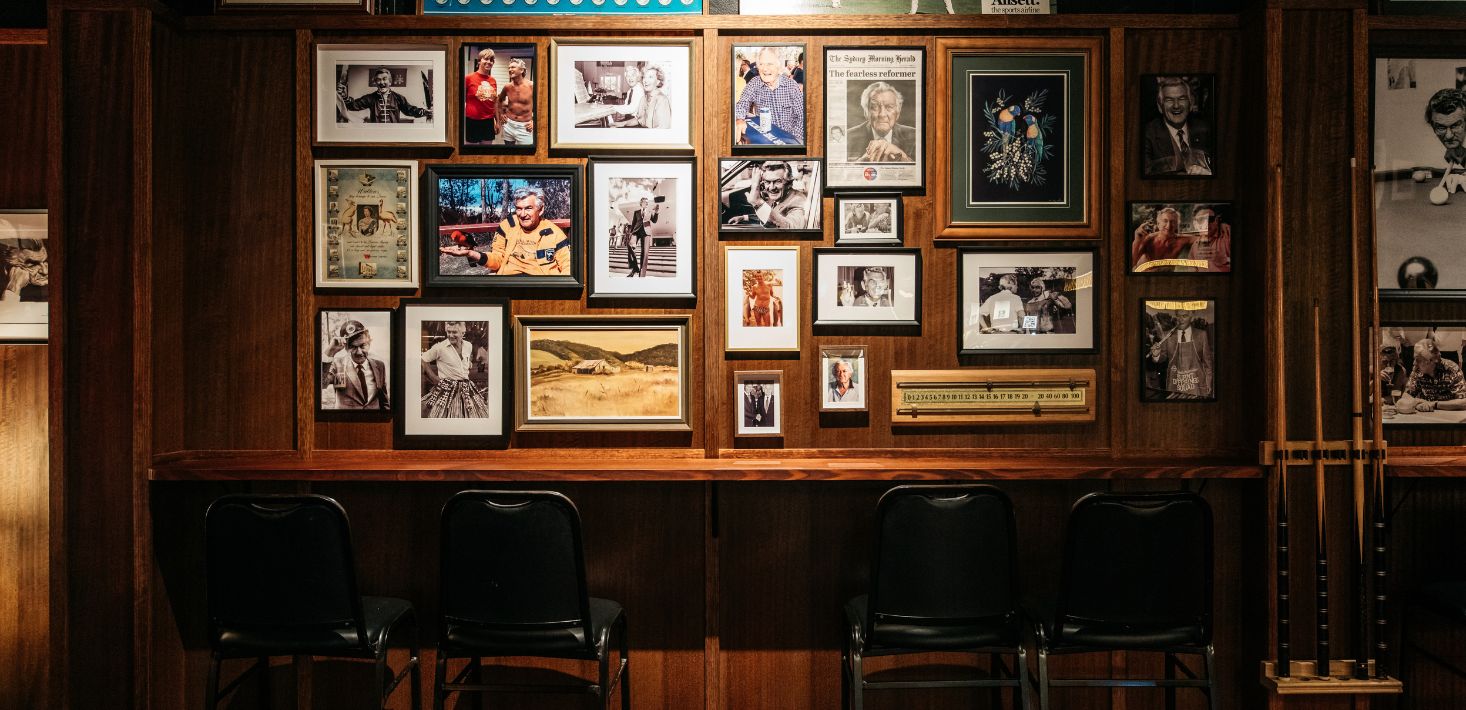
1021	673
857	681
1043	679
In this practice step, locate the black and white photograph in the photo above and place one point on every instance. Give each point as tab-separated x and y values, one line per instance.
452	378
770	195
1420	379
768	97
760	399
366	227
867	287
1178	350
762	299
498	96
1419	127
355	362
643	228
1178	118
1180	237
874	117
869	219
843	378
25	276
380	94
622	94
1028	300
504	225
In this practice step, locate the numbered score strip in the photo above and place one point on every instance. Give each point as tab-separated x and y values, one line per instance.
1018	396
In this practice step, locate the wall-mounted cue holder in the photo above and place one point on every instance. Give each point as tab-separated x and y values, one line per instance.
1298	453
945	397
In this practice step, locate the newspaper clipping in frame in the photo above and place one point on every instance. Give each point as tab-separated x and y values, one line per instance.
874	117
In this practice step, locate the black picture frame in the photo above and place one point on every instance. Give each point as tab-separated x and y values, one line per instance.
467	64
876	183
1157	144
1226	216
969	301
596	290
898	220
822	309
1408	421
770	148
1145	334
503	402
432	210
729	206
389	340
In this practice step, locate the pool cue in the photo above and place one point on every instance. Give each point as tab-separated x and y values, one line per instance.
1356	441
1320	489
1379	497
1280	459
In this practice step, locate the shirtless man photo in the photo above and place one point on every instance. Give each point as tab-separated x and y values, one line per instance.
516	106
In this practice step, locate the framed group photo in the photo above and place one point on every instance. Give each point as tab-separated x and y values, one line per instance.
498	96
366	224
622	94
454	383
760	399
643	228
867	287
1178	119
354	366
1027	300
875	117
25	277
770	195
768	97
1178	350
504	225
1180	237
844	379
762	304
380	93
1420	373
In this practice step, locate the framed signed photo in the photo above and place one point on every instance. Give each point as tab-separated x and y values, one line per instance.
760	398
1178	125
622	94
768	97
380	94
1420	380
366	224
603	373
762	305
1027	300
869	219
844	381
1180	237
498	100
25	282
1024	138
767	195
643	229
867	287
875	117
505	225
1178	350
354	367
454	381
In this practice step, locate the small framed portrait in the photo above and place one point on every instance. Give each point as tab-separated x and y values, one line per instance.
1178	350
454	379
643	230
1178	118
768	97
1420	375
623	94
498	97
763	298
25	277
504	225
1031	300
875	117
358	231
867	287
579	373
759	396
843	378
1180	237
869	219
380	93
768	195
353	372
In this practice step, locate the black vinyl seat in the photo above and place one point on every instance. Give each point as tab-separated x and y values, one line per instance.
943	579
1137	576
282	582
513	584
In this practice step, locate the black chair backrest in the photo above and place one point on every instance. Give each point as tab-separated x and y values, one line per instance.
513	559
944	554
280	562
1138	558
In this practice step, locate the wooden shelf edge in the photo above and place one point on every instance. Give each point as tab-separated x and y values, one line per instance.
1434	23
23	36
1427	462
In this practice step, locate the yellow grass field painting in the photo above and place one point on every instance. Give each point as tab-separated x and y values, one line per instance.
583	373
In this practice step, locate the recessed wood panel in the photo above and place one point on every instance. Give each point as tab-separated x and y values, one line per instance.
25	599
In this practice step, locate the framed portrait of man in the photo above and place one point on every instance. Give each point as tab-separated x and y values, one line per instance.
454	379
25	277
1180	238
762	304
867	287
770	195
875	117
623	94
366	224
1029	300
844	385
380	93
1178	125
1178	350
354	362
643	237
760	401
1420	373
869	220
498	97
768	97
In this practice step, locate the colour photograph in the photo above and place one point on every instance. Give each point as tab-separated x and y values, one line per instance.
504	225
498	96
1180	237
586	375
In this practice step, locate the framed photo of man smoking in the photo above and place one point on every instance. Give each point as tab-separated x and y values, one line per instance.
380	93
762	304
623	94
1180	237
1420	373
25	277
1028	300
1178	350
1178	125
497	106
867	287
761	196
454	381
353	373
504	225
869	219
760	398
643	236
366	224
768	97
875	117
843	379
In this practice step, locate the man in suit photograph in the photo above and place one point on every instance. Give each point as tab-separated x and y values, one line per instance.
636	247
360	379
758	407
882	138
1179	140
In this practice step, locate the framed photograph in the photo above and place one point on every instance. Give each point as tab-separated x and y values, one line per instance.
1178	350
843	378
313	7
380	93
25	274
354	347
498	96
504	225
623	94
454	381
767	195
869	219
1029	300
759	396
768	97
643	228
366	224
1180	237
1178	118
867	287
1420	378
1024	138
875	117
1419	139
762	305
603	373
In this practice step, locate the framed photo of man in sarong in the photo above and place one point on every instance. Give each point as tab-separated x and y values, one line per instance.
1178	350
875	117
1021	132
366	224
454	382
